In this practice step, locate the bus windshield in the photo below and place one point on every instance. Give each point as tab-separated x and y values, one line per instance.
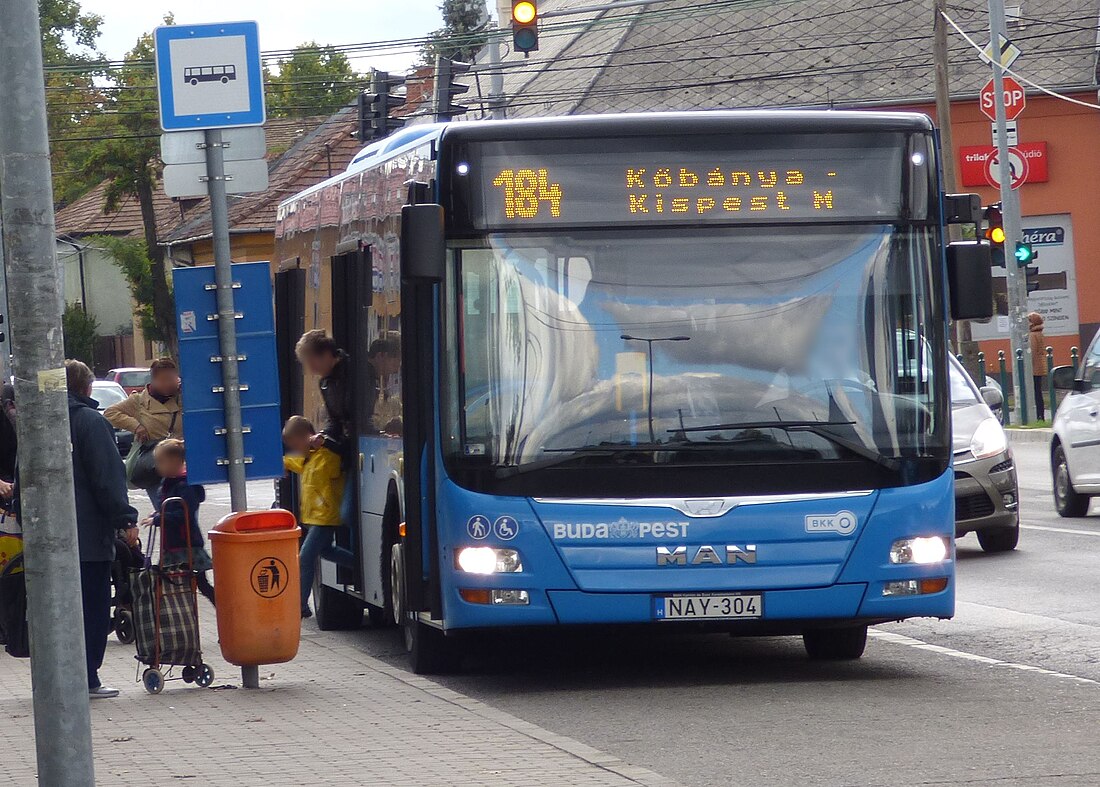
734	345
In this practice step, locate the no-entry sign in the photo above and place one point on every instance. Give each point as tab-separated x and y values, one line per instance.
1015	99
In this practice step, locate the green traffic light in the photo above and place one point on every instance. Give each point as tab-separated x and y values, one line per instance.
1024	253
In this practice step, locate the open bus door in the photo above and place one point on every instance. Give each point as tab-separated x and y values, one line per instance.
290	324
351	294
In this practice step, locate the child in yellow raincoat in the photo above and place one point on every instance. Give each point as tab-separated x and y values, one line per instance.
322	491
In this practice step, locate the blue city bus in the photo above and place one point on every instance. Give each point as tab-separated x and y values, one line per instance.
673	369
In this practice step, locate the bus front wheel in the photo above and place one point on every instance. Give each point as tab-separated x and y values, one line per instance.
836	644
430	651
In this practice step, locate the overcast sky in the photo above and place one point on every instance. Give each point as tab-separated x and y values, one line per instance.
283	24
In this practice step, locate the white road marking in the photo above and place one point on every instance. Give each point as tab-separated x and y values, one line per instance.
1062	530
900	639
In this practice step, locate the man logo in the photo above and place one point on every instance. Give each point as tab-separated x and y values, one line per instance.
678	556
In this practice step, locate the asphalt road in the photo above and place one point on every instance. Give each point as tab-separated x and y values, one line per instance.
1006	694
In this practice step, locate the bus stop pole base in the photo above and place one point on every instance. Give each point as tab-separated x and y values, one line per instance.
250	677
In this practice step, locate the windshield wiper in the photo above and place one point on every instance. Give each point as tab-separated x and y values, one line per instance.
813	427
613	451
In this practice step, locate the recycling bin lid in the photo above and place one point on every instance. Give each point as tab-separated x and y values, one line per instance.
252	521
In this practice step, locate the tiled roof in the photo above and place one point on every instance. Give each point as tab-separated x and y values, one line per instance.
683	54
86	216
315	156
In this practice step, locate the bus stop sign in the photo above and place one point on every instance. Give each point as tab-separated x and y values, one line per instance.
209	76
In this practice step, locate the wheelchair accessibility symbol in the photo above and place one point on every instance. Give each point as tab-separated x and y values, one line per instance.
506	528
478	527
269	577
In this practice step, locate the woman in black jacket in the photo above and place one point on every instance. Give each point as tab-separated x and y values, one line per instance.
102	509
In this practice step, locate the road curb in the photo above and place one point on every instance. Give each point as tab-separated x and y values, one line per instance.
1021	436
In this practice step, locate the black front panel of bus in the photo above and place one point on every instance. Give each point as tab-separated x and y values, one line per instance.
686	180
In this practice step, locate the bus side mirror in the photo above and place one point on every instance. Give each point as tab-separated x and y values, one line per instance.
970	280
1064	378
423	251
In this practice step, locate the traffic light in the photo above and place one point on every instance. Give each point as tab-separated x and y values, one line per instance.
376	107
446	89
1025	254
1031	273
525	26
993	230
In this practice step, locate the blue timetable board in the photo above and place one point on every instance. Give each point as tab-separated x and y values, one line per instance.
201	370
209	76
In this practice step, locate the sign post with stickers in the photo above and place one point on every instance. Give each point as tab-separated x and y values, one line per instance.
209	78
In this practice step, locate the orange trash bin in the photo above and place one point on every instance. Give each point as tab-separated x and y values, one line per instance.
259	606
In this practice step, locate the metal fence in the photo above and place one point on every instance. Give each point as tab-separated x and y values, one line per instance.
1002	373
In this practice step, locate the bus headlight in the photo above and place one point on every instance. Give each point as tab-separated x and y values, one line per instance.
922	551
989	439
488	560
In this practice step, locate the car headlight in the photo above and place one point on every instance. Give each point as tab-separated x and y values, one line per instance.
988	440
487	560
922	551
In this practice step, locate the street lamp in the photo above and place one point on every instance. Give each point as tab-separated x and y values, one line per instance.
626	337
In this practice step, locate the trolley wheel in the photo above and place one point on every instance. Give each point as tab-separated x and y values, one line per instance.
189	674
153	680
205	675
124	626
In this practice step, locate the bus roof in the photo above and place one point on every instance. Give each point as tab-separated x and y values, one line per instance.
807	121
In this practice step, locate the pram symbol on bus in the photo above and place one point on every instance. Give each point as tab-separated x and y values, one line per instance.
269	577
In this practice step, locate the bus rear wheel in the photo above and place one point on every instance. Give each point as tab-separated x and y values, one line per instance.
836	644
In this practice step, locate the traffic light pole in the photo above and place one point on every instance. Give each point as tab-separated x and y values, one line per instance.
1016	280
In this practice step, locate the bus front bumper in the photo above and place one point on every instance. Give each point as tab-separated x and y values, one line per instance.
854	601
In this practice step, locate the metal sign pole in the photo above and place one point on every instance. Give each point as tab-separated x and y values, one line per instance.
62	725
227	327
1016	281
227	338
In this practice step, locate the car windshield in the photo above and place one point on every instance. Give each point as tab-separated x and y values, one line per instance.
800	342
136	379
107	395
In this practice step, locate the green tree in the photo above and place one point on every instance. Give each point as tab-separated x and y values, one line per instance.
463	34
81	331
314	80
129	159
73	96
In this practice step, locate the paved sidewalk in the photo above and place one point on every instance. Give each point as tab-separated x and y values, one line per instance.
333	716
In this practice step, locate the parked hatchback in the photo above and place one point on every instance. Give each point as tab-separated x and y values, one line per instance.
986	492
1075	448
131	378
107	393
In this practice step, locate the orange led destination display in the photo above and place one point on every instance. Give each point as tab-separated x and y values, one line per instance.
584	189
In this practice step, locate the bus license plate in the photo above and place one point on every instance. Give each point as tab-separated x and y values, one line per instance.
709	607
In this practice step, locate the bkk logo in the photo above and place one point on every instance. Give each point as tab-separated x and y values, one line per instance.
621	529
843	522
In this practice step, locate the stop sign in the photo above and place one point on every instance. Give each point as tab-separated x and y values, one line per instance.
1015	100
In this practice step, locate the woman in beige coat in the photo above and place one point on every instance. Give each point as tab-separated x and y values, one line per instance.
154	413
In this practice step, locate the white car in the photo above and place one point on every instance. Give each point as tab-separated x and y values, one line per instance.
1075	449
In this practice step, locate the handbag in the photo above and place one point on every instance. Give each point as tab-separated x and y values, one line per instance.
13	591
141	468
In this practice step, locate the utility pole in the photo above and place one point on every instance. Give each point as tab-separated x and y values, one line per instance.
496	73
964	342
1016	281
62	724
